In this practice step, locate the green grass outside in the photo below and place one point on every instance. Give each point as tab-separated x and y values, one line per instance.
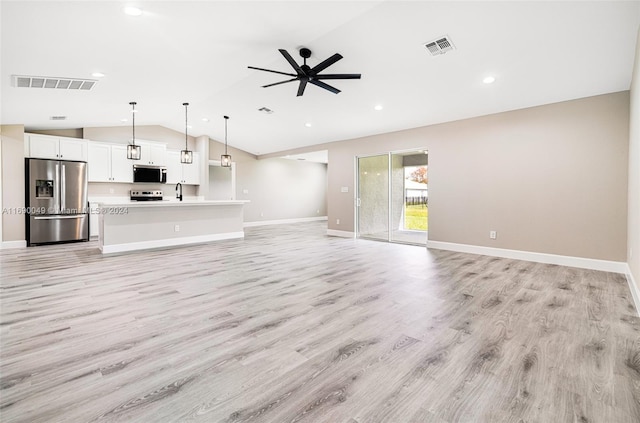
415	217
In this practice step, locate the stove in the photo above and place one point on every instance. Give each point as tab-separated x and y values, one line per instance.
146	195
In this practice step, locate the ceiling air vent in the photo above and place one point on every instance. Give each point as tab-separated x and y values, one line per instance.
440	46
22	81
58	118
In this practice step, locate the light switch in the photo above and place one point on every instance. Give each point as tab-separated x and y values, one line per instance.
245	191
344	189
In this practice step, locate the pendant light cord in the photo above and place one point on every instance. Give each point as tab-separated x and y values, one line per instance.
185	126
133	120
226	119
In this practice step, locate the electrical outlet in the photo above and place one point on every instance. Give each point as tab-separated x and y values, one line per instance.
261	214
493	234
318	211
337	221
111	191
245	191
176	228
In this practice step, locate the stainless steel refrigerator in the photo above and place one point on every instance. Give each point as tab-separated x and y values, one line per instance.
56	199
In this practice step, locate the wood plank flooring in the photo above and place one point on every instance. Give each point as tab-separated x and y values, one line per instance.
289	325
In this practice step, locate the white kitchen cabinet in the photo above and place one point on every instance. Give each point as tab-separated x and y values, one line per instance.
152	154
62	148
188	174
109	163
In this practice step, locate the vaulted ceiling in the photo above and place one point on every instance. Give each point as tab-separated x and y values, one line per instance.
177	51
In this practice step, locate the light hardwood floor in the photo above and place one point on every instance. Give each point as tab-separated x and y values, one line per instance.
289	325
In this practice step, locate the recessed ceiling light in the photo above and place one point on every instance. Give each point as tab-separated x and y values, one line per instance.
205	119
132	11
378	107
134	111
97	74
124	120
308	124
189	126
489	80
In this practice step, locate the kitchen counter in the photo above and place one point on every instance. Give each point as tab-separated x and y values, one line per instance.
170	203
135	225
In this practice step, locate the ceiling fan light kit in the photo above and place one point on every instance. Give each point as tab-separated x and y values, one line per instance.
309	75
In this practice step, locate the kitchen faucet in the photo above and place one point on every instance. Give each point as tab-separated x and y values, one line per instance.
179	191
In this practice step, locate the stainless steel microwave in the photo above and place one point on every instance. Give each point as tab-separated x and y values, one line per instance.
150	174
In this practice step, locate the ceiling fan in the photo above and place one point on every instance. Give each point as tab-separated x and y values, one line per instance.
306	74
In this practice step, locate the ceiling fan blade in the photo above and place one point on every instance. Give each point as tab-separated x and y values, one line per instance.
292	62
281	82
302	86
269	70
339	76
325	64
325	86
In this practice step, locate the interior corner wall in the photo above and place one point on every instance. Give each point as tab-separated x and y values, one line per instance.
550	179
633	223
280	189
13	222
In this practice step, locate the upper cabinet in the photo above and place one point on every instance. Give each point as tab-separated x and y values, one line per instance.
109	163
153	154
61	148
188	174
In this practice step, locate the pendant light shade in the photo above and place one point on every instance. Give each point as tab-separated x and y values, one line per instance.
225	159
133	150
186	155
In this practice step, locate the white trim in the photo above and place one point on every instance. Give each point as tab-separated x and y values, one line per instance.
171	242
342	234
5	245
284	221
583	263
634	288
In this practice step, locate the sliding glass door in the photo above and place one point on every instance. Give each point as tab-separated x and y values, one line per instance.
393	197
373	197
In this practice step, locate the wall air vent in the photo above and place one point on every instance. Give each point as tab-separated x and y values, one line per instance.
439	46
57	118
22	81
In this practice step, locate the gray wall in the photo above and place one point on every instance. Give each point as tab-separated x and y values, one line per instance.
633	223
282	189
549	179
12	182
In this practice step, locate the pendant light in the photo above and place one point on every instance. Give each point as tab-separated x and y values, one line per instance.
225	159
133	150
186	155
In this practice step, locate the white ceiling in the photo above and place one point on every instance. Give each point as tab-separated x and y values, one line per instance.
539	53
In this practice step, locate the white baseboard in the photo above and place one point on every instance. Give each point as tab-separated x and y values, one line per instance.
342	234
172	242
284	221
13	244
583	263
634	288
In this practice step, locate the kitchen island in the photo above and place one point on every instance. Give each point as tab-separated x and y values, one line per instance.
129	226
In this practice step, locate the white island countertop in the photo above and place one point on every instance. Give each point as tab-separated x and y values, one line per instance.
126	225
170	203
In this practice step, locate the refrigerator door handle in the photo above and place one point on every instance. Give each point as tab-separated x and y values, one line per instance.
58	217
56	205
63	189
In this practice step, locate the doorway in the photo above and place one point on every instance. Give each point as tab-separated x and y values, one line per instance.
392	198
